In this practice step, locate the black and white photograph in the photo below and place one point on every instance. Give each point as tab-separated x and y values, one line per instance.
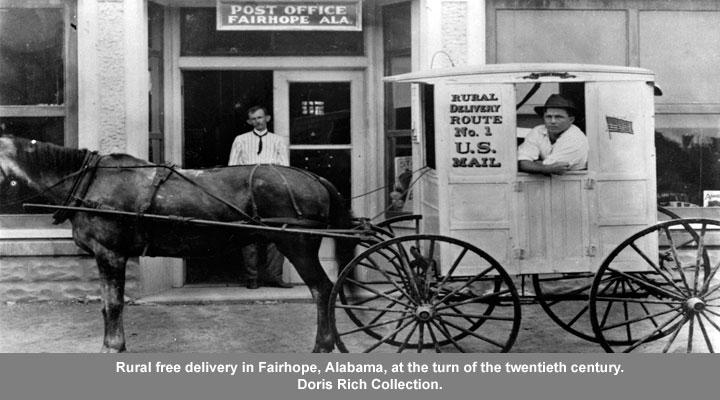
356	176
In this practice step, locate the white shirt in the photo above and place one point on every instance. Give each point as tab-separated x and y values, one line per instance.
245	149
571	147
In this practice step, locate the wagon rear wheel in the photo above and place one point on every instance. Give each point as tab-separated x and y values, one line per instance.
424	292
564	296
660	301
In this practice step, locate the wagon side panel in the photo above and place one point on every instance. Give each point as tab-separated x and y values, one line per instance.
476	163
622	137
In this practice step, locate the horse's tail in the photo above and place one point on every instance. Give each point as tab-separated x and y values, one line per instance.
340	217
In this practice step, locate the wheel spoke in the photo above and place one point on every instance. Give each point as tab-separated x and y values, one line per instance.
392	282
691	332
646	284
627	315
372	290
606	314
709	278
479	316
447	335
656	330
388	336
373	298
454	266
641	301
676	258
407	338
434	339
376	268
712	312
655	267
420	338
469	332
468	283
365	308
375	325
711	322
405	264
671	339
708	342
698	262
472	299
462	314
629	322
578	315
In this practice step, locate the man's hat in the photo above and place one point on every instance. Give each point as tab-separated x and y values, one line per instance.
556	101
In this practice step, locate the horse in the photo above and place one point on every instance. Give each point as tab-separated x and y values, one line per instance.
255	195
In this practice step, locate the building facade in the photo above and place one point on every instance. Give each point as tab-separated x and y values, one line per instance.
158	80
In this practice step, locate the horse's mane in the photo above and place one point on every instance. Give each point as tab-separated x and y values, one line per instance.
34	153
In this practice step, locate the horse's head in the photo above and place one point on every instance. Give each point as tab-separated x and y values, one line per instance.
29	167
11	174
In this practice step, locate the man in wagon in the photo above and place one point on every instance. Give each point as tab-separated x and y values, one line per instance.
557	146
263	261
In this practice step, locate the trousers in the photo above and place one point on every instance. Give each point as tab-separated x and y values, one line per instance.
263	262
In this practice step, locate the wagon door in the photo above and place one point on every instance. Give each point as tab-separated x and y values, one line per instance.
475	147
621	132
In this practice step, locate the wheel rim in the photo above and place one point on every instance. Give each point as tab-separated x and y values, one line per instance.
564	298
669	302
393	298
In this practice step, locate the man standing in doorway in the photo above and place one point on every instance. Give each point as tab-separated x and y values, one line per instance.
263	261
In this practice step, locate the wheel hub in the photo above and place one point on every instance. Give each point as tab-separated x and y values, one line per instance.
424	312
694	304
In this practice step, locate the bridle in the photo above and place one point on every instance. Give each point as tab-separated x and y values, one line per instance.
13	182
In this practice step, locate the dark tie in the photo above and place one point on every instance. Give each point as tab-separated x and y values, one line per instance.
260	142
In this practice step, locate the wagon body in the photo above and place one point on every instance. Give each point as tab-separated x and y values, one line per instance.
467	129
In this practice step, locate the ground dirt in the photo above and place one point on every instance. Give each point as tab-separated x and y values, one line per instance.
264	327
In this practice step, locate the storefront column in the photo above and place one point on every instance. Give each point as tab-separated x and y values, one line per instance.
113	78
452	34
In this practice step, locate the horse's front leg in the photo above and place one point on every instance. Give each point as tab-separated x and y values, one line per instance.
112	285
303	254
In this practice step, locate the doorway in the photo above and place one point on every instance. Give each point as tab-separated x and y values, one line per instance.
215	105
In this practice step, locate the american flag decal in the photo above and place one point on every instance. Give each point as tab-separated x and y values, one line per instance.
618	125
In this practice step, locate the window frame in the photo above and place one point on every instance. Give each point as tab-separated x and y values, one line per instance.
67	110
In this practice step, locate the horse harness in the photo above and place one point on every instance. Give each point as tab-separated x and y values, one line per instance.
87	173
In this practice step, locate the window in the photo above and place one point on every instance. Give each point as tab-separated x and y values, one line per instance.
37	75
397	60
200	37
320	131
635	33
531	95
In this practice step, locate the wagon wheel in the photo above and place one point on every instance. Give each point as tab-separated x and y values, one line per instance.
660	303
564	297
394	297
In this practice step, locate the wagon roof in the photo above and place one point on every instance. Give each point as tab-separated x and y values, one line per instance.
583	72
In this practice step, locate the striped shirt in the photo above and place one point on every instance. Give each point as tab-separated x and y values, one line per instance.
245	149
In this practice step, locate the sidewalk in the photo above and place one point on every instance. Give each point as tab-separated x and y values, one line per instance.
228	295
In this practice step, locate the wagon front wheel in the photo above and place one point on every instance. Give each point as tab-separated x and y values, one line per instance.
659	292
419	292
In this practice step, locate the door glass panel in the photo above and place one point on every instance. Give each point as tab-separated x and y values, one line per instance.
31	56
333	165
320	130
320	113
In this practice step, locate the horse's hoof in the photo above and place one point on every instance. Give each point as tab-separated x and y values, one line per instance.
323	349
106	349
